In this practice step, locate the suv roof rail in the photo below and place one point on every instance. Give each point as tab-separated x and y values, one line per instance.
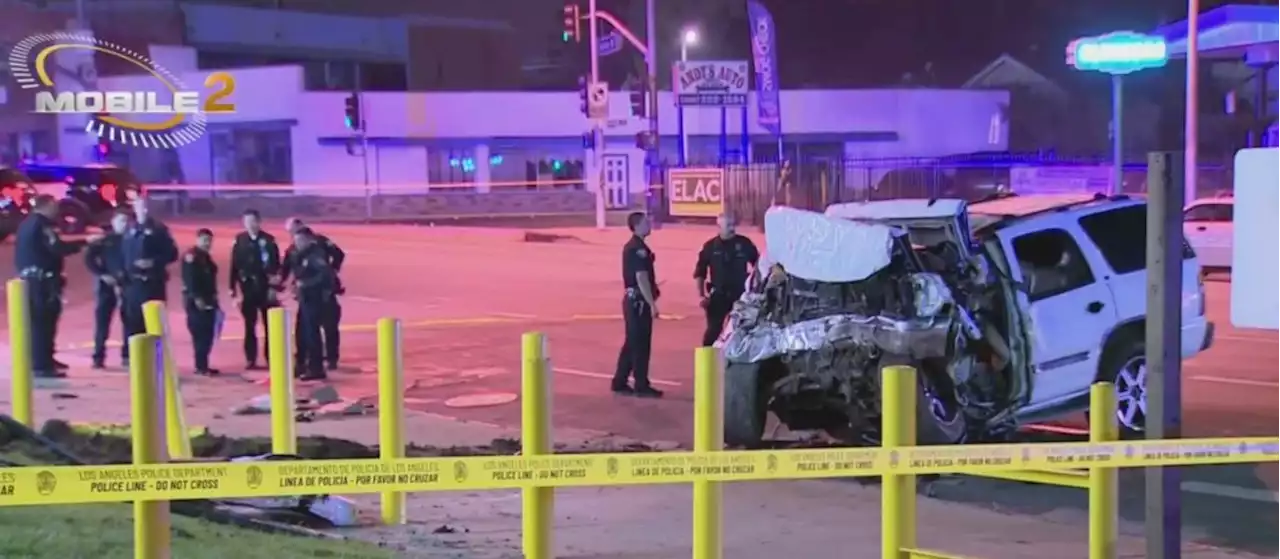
1008	219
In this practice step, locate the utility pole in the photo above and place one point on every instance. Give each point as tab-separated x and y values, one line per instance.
654	164
597	133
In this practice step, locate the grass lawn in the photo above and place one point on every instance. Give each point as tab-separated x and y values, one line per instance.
106	532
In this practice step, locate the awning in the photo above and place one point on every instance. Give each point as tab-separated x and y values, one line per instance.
1233	31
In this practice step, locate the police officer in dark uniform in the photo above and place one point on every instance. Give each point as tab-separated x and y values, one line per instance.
728	257
200	297
38	259
332	317
315	281
639	309
148	248
255	262
105	260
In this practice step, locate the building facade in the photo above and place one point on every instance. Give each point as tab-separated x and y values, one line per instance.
282	133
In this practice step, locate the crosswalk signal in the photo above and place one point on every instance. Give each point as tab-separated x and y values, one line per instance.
572	24
638	107
353	112
584	95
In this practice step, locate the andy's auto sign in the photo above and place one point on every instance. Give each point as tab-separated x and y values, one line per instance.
696	192
711	83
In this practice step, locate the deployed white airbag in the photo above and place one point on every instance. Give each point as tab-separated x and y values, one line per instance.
820	248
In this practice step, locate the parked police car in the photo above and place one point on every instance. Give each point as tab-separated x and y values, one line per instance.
88	194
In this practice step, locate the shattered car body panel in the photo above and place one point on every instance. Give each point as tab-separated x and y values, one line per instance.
859	287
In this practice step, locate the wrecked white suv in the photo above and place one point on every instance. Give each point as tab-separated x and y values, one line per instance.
1009	309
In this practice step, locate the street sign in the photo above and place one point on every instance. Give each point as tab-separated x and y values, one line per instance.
711	83
609	44
598	100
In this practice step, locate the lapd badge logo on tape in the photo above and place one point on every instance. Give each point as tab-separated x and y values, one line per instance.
611	467
253	477
771	463
459	471
46	483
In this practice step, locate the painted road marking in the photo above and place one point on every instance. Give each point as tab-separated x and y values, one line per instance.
365	299
1237	381
589	374
1230	491
1234	338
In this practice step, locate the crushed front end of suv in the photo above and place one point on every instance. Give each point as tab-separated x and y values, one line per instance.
1007	322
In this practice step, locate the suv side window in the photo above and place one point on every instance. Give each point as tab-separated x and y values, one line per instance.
1121	236
1051	263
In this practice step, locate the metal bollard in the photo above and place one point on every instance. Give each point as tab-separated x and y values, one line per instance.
538	510
153	313
20	388
898	492
284	434
1104	485
708	436
151	522
391	411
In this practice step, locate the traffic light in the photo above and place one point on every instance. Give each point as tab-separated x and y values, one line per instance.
572	24
353	112
638	106
584	94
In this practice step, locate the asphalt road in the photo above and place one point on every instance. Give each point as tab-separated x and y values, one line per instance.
465	296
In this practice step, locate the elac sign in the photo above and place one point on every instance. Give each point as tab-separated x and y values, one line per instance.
711	83
696	192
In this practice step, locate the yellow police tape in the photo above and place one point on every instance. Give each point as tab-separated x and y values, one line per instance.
99	484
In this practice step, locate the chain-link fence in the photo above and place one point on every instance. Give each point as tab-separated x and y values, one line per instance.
751	189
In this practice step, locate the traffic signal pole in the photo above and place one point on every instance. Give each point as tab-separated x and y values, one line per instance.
653	200
597	133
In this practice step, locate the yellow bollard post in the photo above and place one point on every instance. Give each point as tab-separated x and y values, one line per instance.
1104	485
150	518
20	392
708	436
391	411
284	436
898	492
538	509
153	312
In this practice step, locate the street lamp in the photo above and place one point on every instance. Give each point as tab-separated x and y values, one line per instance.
688	39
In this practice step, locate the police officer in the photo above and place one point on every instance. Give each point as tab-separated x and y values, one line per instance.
200	297
639	309
38	259
728	257
105	261
255	262
314	280
148	248
332	317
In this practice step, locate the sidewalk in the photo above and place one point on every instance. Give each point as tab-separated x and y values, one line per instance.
806	519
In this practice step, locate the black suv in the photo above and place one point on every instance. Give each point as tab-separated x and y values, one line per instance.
16	192
88	194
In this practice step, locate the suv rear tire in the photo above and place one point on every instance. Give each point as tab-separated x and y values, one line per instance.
1125	366
744	405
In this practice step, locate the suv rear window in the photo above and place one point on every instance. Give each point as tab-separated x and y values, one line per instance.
1121	236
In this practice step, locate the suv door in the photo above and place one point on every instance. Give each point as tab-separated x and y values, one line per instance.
1072	310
